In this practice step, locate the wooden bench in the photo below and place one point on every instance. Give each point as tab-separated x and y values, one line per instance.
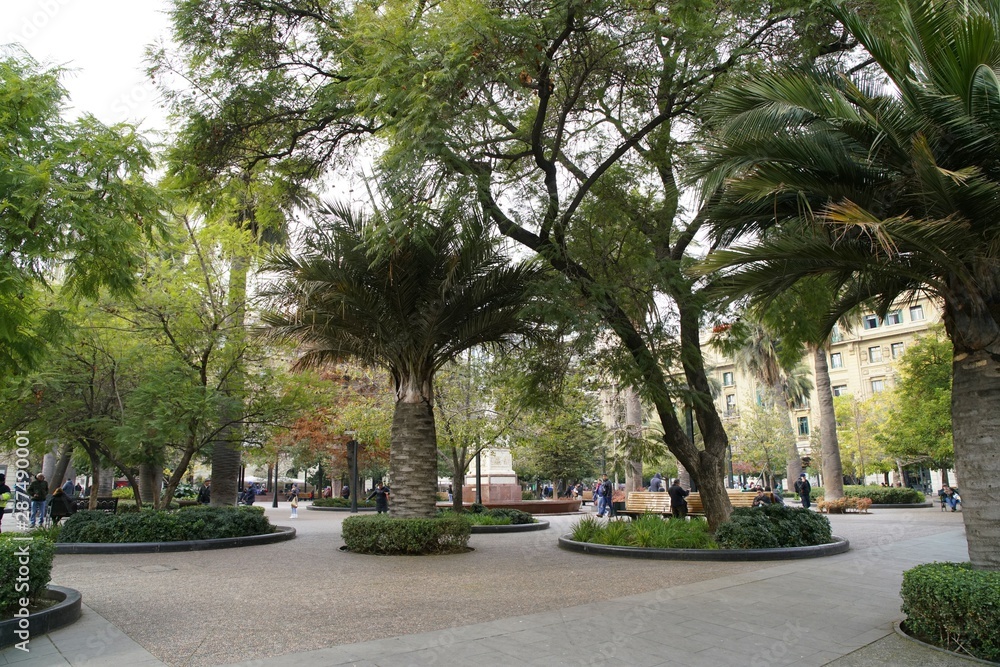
650	502
106	505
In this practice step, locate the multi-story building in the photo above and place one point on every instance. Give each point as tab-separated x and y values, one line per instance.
860	359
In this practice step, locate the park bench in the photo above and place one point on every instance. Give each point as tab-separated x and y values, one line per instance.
107	505
638	503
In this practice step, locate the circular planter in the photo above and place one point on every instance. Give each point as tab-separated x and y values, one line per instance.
514	528
901	631
901	506
65	612
338	509
839	546
283	533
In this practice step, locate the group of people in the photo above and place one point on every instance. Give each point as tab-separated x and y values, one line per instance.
56	506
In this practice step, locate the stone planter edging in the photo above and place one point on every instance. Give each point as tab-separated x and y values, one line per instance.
65	612
512	528
283	533
898	627
839	546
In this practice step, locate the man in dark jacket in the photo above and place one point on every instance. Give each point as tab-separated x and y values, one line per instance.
381	496
38	491
803	488
678	504
205	493
656	484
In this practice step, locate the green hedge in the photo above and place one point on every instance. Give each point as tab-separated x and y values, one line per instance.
880	495
202	522
650	531
341	502
500	516
954	607
39	570
773	526
382	534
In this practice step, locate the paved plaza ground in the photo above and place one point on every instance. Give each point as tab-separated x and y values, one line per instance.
515	600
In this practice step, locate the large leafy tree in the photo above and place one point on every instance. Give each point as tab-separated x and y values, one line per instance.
884	191
398	292
75	207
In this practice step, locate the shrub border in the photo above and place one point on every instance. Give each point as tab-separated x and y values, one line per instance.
901	506
65	612
838	546
280	535
898	627
510	528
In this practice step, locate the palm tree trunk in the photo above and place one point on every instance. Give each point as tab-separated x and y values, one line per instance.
833	469
413	460
633	426
975	409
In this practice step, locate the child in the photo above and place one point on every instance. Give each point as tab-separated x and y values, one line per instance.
295	507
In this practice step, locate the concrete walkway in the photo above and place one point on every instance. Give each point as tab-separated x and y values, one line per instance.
837	610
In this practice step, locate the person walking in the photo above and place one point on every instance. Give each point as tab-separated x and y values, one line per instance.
345	492
295	506
69	488
606	492
381	495
4	495
205	492
678	502
38	491
656	484
803	488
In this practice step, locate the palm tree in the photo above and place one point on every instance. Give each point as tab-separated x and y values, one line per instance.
885	192
755	350
407	296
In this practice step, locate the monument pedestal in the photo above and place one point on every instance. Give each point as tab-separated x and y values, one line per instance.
498	478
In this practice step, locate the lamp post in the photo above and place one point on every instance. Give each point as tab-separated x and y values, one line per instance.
274	488
352	451
479	478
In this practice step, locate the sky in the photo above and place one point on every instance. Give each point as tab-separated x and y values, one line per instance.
101	44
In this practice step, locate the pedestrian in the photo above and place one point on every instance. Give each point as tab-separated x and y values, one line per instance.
205	492
949	497
381	495
293	492
69	488
345	492
804	489
38	491
295	506
606	492
451	493
656	484
60	506
250	496
678	502
4	495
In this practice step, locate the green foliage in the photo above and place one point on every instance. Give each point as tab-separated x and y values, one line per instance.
886	495
123	492
649	531
955	607
190	523
773	526
390	536
341	502
40	553
494	517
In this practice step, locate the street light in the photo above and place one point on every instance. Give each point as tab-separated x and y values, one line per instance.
352	451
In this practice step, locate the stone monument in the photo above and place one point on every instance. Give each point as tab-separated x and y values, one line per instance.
498	477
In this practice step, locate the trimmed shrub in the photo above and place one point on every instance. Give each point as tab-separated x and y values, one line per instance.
341	502
955	607
773	526
844	505
879	495
201	522
650	531
493	517
40	551
386	535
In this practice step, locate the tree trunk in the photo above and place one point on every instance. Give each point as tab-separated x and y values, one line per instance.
62	464
95	474
633	427
150	480
107	484
975	409
458	463
833	469
413	460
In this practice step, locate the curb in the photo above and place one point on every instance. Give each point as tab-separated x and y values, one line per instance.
65	612
901	506
512	528
283	533
898	627
839	546
338	509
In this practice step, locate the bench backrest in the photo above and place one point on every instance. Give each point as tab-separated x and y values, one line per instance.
109	505
736	499
647	501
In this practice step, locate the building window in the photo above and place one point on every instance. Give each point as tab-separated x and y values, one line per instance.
803	425
916	313
839	389
727	379
835	335
870	321
836	360
897	350
730	405
878	386
801	404
895	317
875	354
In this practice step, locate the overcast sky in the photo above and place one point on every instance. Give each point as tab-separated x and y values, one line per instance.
102	42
